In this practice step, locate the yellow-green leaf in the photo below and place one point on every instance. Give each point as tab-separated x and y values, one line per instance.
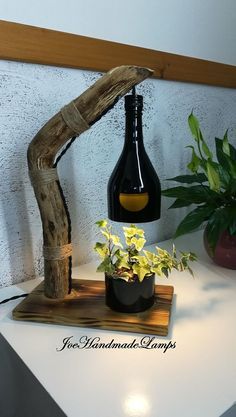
195	161
141	272
161	252
157	269
206	150
225	144
116	240
101	223
138	243
101	249
123	262
128	241
141	260
106	266
106	234
194	126
149	255
132	231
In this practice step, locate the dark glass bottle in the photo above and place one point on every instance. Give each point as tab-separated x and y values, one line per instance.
134	191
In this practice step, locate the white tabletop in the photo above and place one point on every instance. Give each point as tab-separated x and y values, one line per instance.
195	379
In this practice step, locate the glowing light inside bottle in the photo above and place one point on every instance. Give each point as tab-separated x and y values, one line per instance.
134	202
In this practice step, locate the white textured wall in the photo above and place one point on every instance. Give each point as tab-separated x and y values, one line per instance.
30	95
201	28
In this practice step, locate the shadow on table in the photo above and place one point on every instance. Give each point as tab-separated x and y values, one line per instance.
217	285
196	311
210	305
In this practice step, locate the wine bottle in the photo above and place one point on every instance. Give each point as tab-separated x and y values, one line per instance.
134	191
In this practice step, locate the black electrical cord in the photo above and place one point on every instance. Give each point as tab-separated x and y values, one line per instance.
13	298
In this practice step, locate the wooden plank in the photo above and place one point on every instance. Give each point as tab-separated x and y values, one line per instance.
43	46
85	307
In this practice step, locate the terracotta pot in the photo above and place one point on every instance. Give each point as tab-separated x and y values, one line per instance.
225	251
129	297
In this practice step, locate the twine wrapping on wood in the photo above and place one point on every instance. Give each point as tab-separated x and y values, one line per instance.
57	253
43	176
73	118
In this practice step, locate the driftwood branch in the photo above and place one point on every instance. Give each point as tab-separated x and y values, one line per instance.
71	121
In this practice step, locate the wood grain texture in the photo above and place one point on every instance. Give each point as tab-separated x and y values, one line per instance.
43	46
85	307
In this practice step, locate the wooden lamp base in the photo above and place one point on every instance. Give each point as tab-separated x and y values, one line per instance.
85	307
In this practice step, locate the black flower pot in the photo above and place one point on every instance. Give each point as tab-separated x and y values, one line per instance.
129	297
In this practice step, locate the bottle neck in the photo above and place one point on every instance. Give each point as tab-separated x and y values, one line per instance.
133	128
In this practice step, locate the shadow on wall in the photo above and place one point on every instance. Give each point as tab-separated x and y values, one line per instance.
71	187
17	236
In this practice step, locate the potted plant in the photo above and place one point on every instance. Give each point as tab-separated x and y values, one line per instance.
130	271
211	187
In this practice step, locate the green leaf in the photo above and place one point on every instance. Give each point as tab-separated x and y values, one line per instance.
219	221
194	194
138	243
195	161
141	271
213	177
120	253
116	240
232	152
141	260
123	262
133	231
225	178
194	219
204	146
101	223
190	179
225	144
227	162
149	255
106	266
194	126
219	153
232	187
158	269
206	150
161	252
101	249
180	203
106	234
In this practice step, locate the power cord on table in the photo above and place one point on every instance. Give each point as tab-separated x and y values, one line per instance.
13	298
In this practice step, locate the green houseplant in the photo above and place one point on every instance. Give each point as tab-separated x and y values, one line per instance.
130	271
211	187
